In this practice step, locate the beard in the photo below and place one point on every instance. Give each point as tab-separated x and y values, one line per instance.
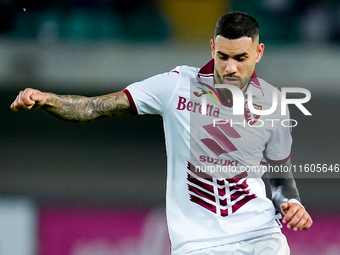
237	81
231	80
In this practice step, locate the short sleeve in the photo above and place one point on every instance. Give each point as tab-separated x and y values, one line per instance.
152	95
278	147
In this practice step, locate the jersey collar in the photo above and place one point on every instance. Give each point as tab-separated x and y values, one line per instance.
208	71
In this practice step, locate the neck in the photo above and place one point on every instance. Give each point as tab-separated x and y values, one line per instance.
226	94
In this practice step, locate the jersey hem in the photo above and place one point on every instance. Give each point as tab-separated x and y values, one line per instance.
188	248
276	162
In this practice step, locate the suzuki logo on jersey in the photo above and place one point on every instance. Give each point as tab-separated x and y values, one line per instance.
250	117
220	196
221	132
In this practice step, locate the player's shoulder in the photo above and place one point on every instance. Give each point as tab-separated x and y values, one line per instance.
185	71
174	75
264	84
267	87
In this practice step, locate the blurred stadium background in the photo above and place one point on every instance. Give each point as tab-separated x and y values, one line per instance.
99	188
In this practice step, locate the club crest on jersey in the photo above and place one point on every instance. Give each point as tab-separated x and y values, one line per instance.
250	117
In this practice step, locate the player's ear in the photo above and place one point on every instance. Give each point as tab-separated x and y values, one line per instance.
212	44
259	52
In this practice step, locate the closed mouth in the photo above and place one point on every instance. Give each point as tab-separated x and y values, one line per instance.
232	80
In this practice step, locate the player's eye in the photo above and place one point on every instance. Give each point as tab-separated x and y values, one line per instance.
223	57
240	59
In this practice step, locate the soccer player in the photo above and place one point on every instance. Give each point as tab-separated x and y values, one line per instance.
209	212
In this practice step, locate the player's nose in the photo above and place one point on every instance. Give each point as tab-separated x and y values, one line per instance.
231	66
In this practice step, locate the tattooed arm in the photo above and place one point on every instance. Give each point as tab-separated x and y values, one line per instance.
73	108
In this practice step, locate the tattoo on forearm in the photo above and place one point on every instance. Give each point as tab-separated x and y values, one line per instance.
85	109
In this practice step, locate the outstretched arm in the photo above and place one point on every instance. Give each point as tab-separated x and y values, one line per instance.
285	196
73	108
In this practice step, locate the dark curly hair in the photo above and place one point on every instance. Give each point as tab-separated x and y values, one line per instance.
234	25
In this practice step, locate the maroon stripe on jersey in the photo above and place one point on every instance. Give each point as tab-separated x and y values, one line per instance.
238	177
201	193
223	202
202	203
255	80
132	103
208	68
237	194
239	204
203	175
224	212
242	185
221	192
200	184
221	182
277	162
175	71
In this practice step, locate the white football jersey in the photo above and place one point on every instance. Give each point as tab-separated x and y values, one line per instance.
215	194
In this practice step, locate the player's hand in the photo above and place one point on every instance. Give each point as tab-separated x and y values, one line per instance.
296	216
29	99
